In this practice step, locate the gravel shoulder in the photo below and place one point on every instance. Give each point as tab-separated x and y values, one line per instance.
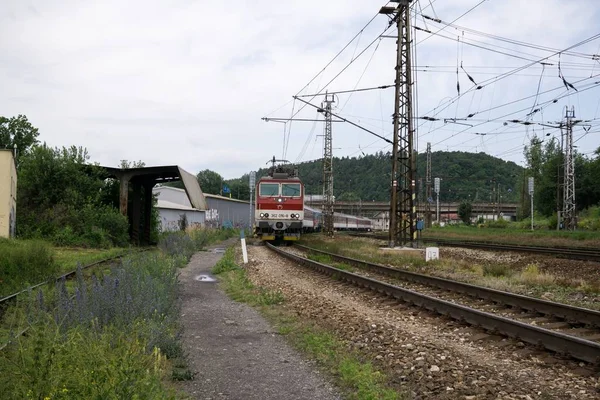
424	354
232	349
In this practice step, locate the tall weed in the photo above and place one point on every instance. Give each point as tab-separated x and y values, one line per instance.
24	263
82	364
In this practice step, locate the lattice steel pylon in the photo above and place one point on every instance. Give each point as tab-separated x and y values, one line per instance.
402	204
569	217
429	199
327	167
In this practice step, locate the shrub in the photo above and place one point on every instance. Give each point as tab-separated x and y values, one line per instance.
531	274
496	270
500	223
177	244
81	364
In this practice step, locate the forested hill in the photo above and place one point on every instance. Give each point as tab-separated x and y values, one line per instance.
465	176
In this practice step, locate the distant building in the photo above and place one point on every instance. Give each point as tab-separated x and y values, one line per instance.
221	211
229	213
173	205
8	194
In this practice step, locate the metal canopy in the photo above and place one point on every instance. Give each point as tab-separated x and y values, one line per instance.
163	174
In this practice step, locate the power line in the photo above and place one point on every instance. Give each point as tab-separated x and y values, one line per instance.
349	91
512	41
516	70
456	19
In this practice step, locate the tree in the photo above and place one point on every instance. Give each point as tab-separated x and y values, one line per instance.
60	197
17	133
210	181
465	209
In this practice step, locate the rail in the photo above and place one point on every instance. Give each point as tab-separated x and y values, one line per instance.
6	300
576	347
575	253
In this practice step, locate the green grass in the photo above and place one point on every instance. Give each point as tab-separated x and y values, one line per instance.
357	378
24	263
68	257
517	236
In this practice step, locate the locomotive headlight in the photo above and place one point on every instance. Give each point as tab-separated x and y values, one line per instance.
262	215
266	215
280	200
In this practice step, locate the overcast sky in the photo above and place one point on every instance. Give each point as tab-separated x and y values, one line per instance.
186	82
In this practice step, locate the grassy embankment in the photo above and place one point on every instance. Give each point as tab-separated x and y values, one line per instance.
528	279
359	379
113	336
518	236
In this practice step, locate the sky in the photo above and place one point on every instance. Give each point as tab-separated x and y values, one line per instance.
187	82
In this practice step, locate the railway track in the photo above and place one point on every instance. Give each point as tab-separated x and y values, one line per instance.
10	299
574	253
563	329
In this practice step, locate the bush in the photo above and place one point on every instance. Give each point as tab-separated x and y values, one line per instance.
82	364
23	264
108	338
500	223
496	270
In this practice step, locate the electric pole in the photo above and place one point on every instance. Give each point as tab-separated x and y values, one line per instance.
402	202
428	188
328	167
569	218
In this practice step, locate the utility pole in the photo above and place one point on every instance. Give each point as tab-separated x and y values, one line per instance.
428	188
531	182
569	218
402	202
327	167
251	184
437	192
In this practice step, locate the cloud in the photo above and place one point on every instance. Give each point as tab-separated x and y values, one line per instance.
186	82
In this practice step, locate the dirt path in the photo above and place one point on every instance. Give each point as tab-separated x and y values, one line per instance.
233	350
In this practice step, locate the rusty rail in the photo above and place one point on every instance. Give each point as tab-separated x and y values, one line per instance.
555	341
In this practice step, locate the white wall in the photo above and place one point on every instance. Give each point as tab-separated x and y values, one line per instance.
169	219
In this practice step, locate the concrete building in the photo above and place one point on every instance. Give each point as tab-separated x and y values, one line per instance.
8	194
173	204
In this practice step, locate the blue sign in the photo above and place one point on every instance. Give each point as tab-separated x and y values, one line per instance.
226	189
429	200
420	225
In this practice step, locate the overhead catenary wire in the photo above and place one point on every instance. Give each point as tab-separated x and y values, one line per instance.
516	70
336	76
511	41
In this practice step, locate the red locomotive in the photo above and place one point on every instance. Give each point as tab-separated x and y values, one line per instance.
279	203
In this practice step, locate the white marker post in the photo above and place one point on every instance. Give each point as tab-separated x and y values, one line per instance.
244	251
432	253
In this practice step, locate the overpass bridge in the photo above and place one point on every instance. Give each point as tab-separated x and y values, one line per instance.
372	209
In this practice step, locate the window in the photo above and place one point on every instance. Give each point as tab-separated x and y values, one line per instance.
269	189
291	189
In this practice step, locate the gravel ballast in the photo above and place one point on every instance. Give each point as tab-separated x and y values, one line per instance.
233	351
425	355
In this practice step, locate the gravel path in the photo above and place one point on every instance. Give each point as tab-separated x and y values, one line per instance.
233	350
427	355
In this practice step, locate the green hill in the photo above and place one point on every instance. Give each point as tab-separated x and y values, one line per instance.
464	176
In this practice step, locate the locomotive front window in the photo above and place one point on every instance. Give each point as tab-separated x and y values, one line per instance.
269	189
291	189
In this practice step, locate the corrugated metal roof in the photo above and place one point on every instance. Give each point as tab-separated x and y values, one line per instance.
216	196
